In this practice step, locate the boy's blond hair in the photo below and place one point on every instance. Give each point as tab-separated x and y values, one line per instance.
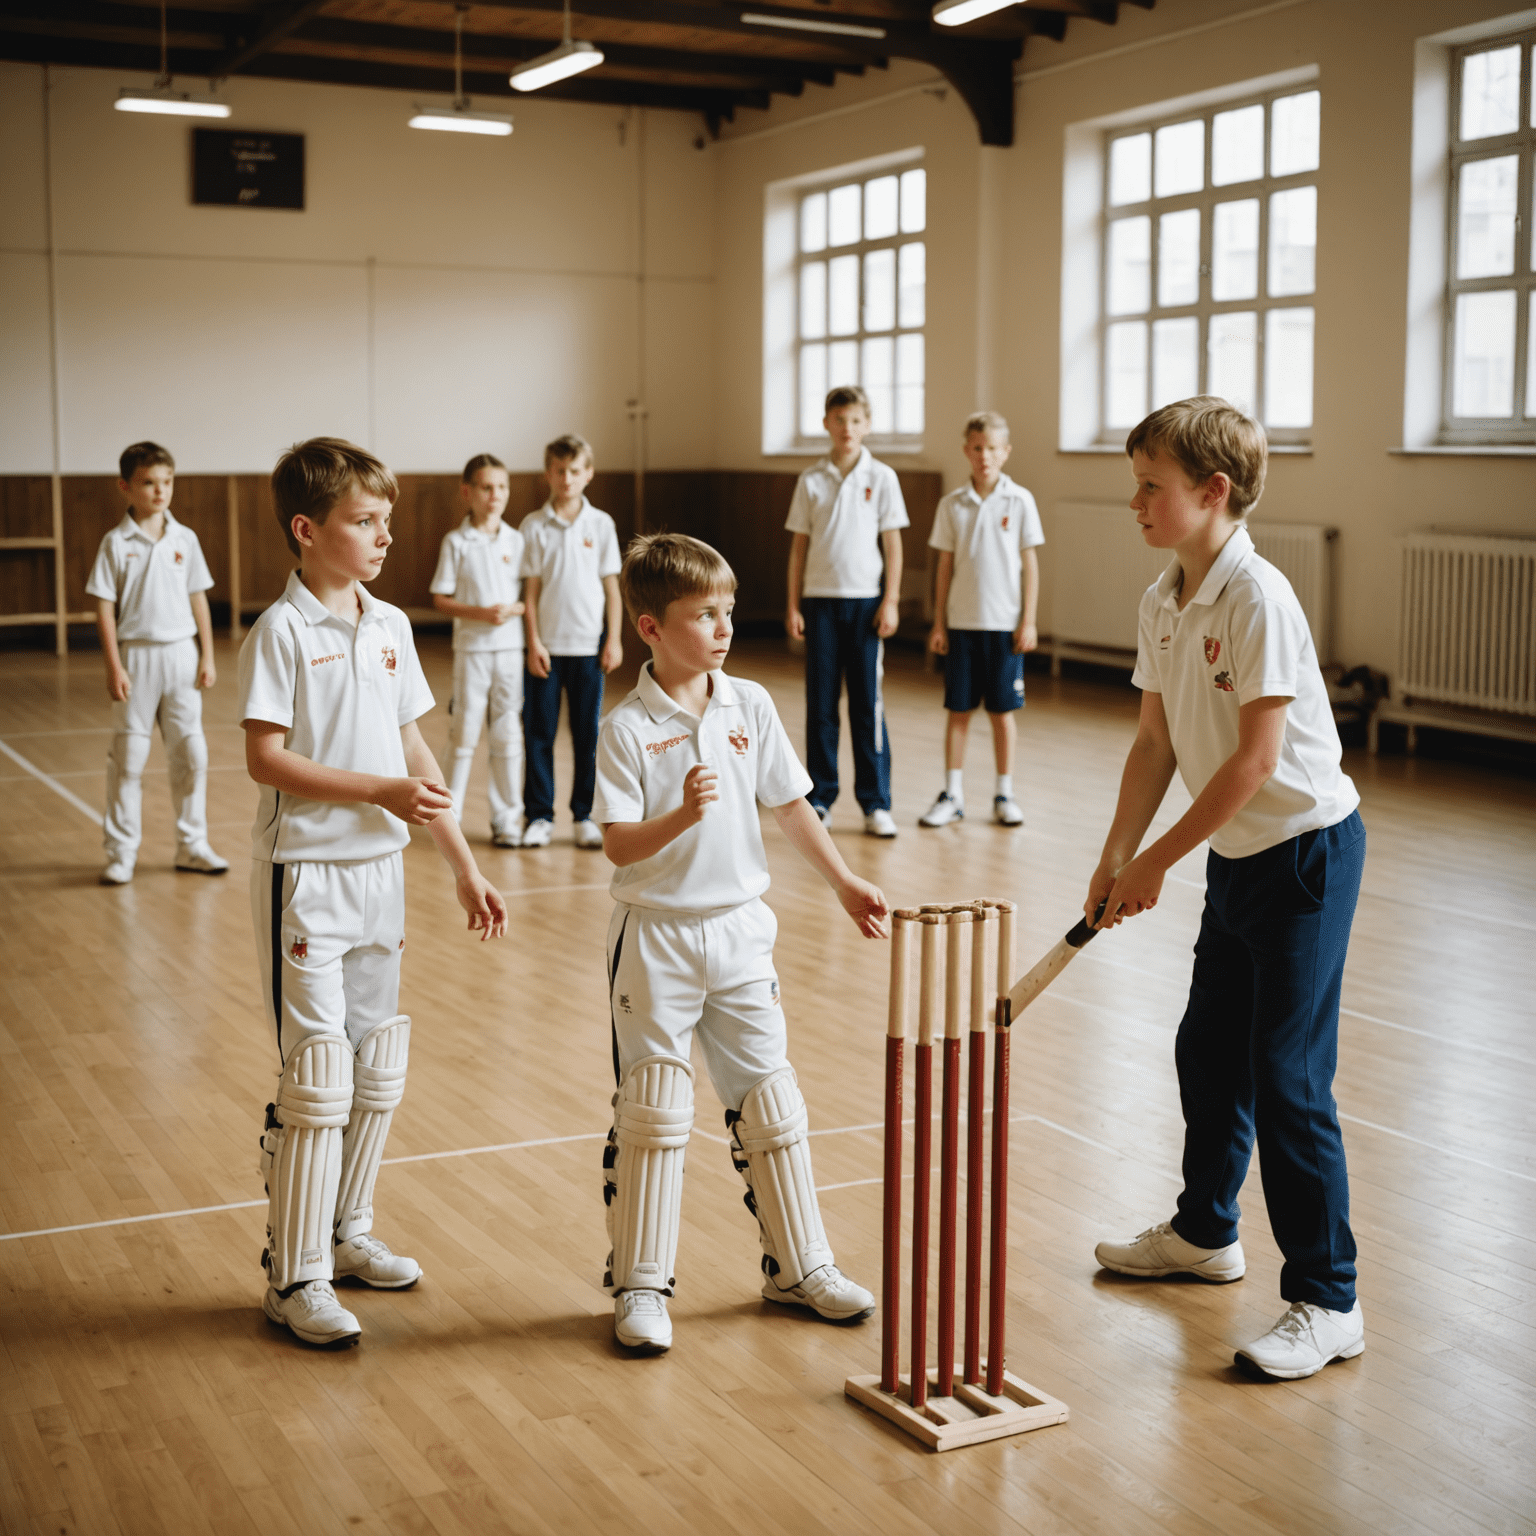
1205	435
987	421
479	462
569	445
313	476
659	568
137	456
847	394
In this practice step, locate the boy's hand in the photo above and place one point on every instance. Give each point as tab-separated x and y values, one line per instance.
866	905
612	653
118	684
538	659
1025	638
207	673
887	618
700	788
1135	889
938	640
487	911
416	801
794	624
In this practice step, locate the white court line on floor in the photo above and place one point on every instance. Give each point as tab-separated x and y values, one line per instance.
1465	1157
1428	1034
53	784
96	773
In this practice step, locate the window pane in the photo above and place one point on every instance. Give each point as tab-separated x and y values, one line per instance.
813	299
878	378
1483	368
1125	373
1288	368
1130	170
1530	359
813	222
1130	266
1293	134
914	202
843	215
909	384
1181	158
880	290
842	368
844	295
1178	257
880	197
1490	92
1293	241
813	389
1485	217
1175	360
1233	353
913	269
1237	146
1235	250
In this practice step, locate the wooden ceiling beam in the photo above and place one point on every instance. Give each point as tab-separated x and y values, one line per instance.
277	22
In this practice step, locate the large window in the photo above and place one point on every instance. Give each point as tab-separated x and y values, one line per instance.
1490	363
1210	262
860	285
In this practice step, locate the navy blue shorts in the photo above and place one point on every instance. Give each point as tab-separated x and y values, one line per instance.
983	666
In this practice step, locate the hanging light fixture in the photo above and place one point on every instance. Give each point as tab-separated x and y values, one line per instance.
458	118
955	13
559	63
162	99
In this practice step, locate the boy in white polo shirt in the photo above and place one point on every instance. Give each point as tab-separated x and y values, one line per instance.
330	692
985	590
573	617
479	585
846	517
151	583
683	764
1232	697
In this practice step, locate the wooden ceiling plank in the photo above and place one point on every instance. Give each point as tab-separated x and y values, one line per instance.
277	23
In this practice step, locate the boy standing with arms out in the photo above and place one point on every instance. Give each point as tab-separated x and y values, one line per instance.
846	517
478	584
683	764
573	614
985	591
330	692
1233	699
150	583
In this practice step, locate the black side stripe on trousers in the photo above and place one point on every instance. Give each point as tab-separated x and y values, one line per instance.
613	976
277	954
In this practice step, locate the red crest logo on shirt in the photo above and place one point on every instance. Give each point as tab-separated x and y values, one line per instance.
586	543
738	739
178	557
869	493
388	653
299	949
506	559
1005	524
1212	651
1223	681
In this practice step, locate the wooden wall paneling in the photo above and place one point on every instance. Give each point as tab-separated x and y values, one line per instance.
26	575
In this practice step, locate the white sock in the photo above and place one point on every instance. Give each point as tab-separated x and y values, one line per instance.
954	783
1004	790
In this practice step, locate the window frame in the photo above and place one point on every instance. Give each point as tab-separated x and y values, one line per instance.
1262	187
1517	428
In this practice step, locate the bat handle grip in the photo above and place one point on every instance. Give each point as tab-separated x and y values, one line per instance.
1085	930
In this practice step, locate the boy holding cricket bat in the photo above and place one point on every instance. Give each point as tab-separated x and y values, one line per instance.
1232	697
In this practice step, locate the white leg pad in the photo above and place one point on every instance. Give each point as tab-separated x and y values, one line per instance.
301	1159
770	1146
378	1085
643	1184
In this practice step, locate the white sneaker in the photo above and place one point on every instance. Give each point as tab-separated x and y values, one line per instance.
537	834
640	1321
588	835
1006	812
880	824
314	1315
823	815
512	838
201	860
828	1292
118	872
943	811
1305	1340
366	1258
1161	1251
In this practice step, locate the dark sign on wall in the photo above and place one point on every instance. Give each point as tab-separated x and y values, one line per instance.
249	170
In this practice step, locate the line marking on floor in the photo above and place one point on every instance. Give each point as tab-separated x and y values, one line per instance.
53	784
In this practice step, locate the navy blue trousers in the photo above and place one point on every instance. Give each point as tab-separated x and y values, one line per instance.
582	679
1257	1050
841	646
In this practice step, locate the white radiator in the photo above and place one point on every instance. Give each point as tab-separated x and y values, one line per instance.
1469	621
1099	567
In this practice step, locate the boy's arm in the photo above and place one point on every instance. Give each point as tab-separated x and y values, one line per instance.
888	616
794	620
628	842
487	911
863	902
498	614
1026	637
207	671
106	629
613	619
938	636
538	657
418	801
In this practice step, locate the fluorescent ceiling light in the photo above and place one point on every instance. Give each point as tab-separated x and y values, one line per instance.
559	64
955	13
462	120
170	103
811	24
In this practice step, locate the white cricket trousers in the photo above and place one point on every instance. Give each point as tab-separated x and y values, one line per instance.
328	943
673	973
162	687
488	683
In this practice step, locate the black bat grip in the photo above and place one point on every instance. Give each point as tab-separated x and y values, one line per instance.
1084	930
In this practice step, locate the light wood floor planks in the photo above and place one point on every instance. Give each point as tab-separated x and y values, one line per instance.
142	1391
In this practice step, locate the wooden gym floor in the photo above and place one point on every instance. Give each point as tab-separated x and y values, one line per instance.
141	1390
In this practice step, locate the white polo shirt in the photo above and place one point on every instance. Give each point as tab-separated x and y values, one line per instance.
844	516
571	560
646	747
1242	637
482	569
150	580
343	694
988	539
